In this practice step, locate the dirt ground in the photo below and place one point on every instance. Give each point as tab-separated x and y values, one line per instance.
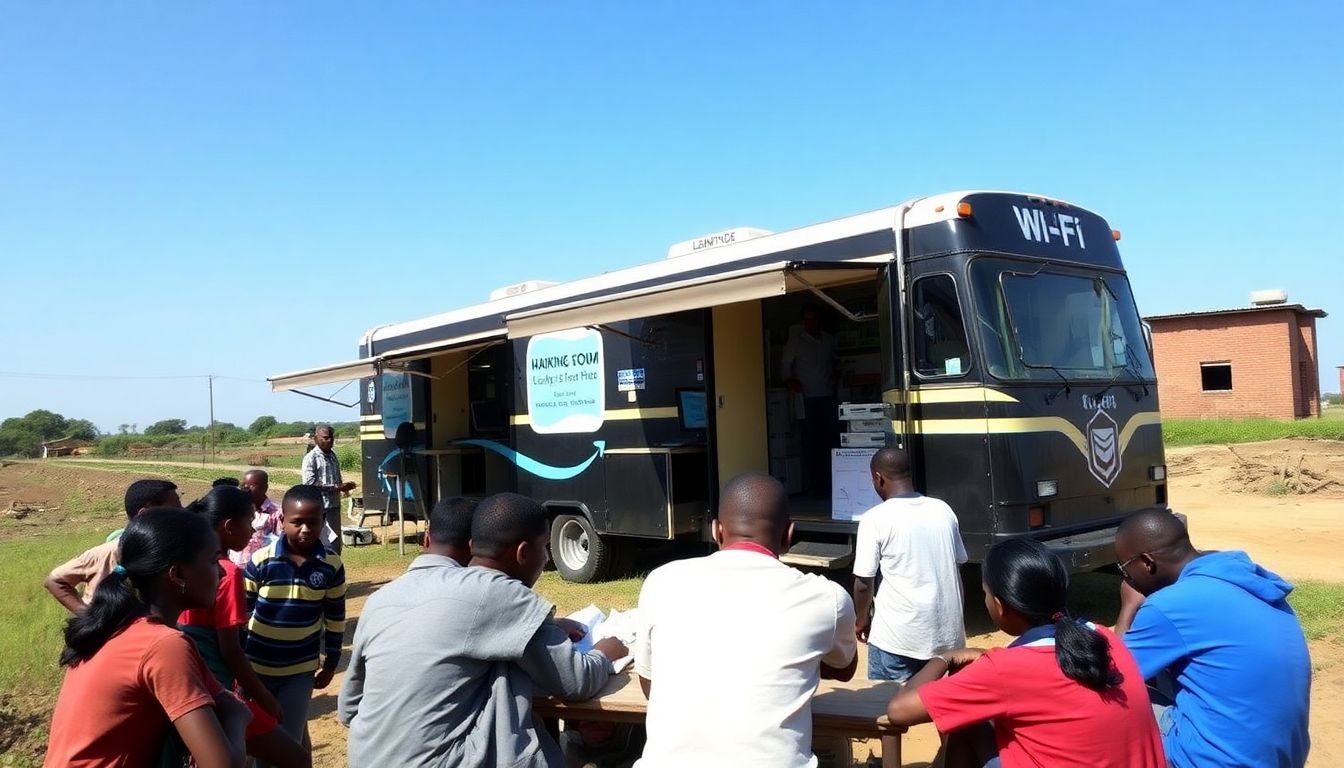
1282	501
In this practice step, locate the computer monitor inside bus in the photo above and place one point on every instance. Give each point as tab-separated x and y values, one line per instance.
692	409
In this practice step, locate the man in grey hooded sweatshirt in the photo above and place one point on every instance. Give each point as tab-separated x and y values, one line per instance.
447	658
1217	627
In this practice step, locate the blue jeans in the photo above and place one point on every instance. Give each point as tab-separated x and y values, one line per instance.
891	666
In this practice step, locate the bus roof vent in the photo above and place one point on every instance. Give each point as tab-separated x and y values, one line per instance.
716	240
1269	297
517	289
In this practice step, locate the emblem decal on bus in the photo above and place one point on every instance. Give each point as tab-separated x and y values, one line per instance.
1103	454
1037	225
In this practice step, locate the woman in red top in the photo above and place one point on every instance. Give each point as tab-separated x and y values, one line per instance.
215	630
132	679
1065	693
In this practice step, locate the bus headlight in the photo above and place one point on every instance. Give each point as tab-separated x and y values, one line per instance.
1047	488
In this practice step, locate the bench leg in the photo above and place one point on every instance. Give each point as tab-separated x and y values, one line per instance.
891	752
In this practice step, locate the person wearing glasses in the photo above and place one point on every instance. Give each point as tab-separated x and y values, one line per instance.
1217	631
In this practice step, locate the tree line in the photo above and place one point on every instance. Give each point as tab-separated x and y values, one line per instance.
24	435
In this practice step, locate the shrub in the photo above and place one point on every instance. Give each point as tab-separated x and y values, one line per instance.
349	457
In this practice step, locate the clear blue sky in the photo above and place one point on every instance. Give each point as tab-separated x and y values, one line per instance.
239	188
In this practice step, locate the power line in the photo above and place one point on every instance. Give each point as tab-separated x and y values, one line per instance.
88	376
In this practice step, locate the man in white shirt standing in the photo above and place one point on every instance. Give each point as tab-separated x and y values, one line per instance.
731	647
808	367
916	543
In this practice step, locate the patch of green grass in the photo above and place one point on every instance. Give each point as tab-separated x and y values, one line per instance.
1277	488
30	618
177	473
1177	432
568	597
1320	608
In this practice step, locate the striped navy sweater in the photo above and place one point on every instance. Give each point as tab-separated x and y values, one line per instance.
297	609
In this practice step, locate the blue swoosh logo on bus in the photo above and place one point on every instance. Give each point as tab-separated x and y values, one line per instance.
531	465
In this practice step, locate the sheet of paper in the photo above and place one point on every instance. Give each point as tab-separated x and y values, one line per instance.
591	618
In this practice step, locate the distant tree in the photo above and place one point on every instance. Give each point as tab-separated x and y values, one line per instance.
261	424
123	429
167	427
18	438
1334	398
81	429
48	425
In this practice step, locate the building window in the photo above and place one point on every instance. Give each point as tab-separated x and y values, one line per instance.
1215	377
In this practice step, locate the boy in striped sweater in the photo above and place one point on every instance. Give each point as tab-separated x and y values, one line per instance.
296	597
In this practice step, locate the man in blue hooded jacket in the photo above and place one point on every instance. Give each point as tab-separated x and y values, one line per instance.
1220	628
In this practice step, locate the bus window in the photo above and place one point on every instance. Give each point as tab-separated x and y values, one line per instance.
939	336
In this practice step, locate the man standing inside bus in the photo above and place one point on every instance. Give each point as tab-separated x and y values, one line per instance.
809	367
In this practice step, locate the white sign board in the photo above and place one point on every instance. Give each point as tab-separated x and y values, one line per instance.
852	491
566	390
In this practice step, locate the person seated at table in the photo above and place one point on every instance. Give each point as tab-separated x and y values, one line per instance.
447	658
1065	692
730	647
449	530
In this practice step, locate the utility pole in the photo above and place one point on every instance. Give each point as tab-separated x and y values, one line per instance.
211	384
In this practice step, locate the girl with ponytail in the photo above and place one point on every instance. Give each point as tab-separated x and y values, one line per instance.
1065	692
216	630
132	679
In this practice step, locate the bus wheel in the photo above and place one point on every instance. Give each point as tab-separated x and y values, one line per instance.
580	554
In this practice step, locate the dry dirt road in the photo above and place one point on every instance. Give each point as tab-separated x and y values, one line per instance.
1282	501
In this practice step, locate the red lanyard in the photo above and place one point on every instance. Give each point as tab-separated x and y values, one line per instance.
749	546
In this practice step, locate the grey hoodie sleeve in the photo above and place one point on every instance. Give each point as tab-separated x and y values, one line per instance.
557	669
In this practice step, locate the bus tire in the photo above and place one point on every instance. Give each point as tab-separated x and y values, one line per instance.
579	553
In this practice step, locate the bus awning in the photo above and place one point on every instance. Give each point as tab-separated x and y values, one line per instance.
757	282
372	366
327	374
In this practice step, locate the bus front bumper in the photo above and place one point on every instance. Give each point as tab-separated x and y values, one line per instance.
1085	551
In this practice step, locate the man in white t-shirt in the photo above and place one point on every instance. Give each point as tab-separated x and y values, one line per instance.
916	542
731	647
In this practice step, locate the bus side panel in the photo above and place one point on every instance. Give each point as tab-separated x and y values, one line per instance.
955	469
626	493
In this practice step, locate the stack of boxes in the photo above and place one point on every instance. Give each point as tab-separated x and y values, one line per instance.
867	425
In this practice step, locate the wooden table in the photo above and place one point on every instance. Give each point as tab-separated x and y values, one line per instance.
856	709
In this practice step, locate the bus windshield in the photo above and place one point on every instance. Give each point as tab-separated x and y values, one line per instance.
1041	322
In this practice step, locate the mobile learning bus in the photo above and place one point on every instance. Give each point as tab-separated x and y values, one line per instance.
991	335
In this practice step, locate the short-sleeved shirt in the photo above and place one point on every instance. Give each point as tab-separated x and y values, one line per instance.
733	644
89	568
916	543
1042	717
229	610
116	708
321	467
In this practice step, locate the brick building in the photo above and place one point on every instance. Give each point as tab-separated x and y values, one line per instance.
1258	361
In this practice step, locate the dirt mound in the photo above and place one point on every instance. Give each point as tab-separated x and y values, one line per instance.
1276	468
